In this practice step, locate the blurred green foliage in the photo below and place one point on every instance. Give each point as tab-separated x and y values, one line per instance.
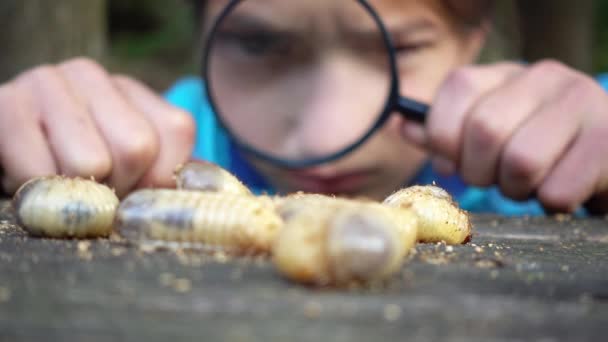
154	40
140	29
601	38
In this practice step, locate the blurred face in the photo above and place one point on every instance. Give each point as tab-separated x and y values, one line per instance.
304	79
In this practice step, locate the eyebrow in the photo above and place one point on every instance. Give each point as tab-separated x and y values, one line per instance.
396	30
253	22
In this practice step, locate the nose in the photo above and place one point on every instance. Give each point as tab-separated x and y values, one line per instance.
347	98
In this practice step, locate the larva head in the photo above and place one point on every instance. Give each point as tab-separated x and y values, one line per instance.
298	251
439	217
131	217
24	191
362	246
26	188
435	191
205	176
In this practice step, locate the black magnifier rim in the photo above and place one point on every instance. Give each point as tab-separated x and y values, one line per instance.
390	105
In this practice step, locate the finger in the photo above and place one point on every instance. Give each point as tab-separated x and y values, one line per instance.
72	135
442	133
497	116
130	137
538	144
576	175
582	171
176	130
24	153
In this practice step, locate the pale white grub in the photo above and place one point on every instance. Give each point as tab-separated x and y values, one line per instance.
440	218
336	241
57	206
235	223
205	176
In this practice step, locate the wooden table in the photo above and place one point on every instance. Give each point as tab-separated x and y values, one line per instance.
519	279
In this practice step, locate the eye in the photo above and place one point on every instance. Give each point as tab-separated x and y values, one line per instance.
261	43
254	43
412	47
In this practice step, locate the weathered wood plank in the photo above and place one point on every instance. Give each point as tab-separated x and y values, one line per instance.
519	279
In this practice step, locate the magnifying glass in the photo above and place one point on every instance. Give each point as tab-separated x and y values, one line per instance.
303	82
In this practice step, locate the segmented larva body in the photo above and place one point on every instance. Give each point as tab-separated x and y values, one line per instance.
233	223
57	206
336	241
205	176
440	218
290	205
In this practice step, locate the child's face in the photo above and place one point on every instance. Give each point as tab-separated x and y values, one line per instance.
340	64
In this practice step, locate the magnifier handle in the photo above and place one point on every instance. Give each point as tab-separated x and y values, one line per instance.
412	110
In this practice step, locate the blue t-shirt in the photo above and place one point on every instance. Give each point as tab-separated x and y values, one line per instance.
214	145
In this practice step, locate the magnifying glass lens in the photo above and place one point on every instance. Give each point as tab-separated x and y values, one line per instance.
298	80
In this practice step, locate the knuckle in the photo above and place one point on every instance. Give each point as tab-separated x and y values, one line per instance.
484	131
81	62
182	124
548	66
140	148
463	79
87	65
41	72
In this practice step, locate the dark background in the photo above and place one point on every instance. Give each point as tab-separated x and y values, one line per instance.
155	40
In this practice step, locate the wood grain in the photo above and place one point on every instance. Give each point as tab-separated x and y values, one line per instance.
519	279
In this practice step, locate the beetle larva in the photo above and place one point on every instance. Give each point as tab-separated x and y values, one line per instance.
440	218
205	176
340	243
233	223
291	205
57	206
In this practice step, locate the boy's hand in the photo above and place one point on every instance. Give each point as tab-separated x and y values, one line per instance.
540	129
76	119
